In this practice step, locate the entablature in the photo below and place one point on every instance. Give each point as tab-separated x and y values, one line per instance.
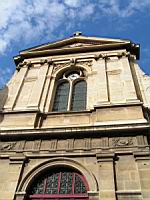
74	59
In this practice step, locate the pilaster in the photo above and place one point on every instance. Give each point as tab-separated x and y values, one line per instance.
50	93
14	87
12	174
143	163
101	82
115	82
129	89
38	87
106	176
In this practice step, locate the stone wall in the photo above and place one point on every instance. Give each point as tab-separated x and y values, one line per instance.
110	76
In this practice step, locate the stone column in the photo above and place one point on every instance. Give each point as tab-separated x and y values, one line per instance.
106	176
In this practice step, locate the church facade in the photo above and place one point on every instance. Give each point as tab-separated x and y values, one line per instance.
75	123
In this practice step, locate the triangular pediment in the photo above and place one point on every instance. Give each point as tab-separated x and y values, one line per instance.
76	42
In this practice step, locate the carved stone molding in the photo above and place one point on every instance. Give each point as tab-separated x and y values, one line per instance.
119	141
29	65
49	61
110	56
123	54
19	66
100	56
43	61
24	63
85	63
73	144
71	63
7	146
58	66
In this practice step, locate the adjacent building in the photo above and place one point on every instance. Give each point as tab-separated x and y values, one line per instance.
75	123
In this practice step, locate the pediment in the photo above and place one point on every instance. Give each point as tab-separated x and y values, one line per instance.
75	42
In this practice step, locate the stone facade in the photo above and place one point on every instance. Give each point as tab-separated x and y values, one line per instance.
108	142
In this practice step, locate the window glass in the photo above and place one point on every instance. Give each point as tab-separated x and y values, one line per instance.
79	96
61	97
58	183
71	94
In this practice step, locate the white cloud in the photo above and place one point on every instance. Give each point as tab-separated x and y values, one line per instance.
7	9
25	20
3	45
87	11
29	19
73	3
5	73
112	7
22	21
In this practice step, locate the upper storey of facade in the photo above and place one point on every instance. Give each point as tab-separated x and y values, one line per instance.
80	81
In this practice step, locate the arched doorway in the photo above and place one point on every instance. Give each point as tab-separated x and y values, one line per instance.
60	183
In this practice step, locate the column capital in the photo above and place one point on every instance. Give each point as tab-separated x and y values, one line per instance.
17	159
20	195
145	155
93	195
105	157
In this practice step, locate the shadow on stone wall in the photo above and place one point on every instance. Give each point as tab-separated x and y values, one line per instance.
3	99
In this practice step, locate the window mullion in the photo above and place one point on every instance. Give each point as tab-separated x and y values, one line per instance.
59	183
45	185
70	96
73	183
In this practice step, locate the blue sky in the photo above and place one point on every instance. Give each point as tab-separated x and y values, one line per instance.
27	23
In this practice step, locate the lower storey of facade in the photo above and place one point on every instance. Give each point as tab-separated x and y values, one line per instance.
100	168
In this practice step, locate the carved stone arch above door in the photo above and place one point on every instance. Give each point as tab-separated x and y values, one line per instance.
58	163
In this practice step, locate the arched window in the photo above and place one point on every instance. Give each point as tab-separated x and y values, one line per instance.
79	96
59	184
61	97
71	92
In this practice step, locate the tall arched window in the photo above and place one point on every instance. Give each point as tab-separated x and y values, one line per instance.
71	92
59	184
61	97
79	96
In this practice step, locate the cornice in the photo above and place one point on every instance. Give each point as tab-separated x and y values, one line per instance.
73	49
76	39
108	105
132	48
97	130
75	60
